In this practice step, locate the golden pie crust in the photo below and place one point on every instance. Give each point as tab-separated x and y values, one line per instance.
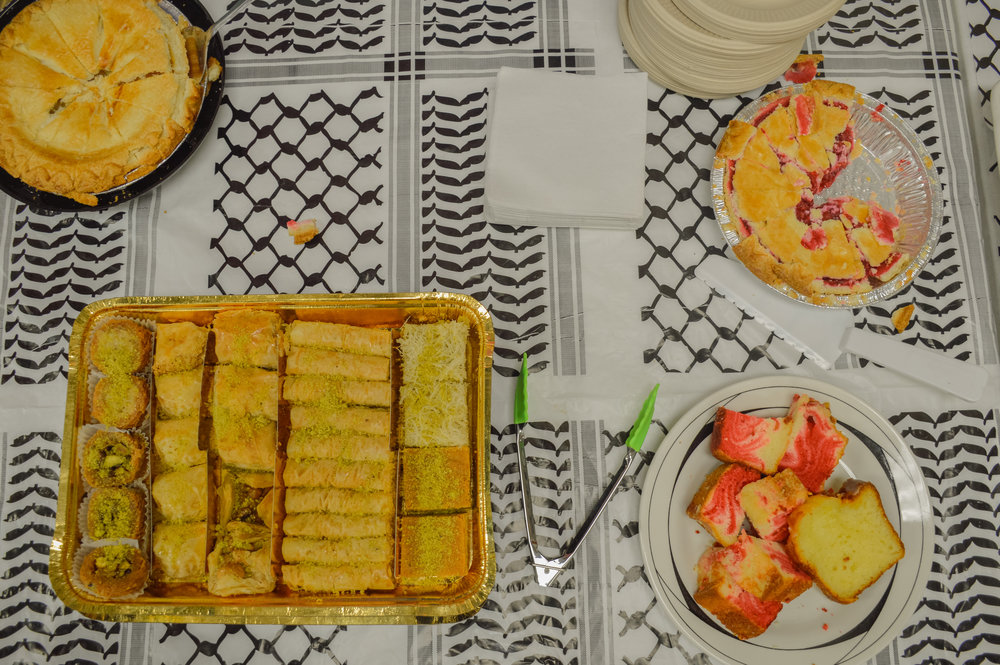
93	94
775	166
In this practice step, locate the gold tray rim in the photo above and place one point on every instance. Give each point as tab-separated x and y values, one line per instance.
412	611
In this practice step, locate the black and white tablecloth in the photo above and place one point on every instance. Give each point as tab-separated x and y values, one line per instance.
371	117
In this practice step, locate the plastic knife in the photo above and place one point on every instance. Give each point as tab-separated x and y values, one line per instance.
823	335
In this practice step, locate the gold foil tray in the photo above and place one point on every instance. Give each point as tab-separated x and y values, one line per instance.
191	603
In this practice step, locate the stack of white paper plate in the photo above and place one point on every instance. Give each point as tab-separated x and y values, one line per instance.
718	48
761	22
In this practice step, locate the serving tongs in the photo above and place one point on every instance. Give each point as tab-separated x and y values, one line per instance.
546	569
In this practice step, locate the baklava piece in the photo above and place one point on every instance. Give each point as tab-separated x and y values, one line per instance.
338	500
120	401
365	476
178	394
245	497
116	512
114	571
435	479
182	495
113	459
341	336
245	442
179	347
356	576
247	391
179	551
316	443
241	561
434	410
335	391
313	360
121	346
175	443
247	337
434	414
434	351
343	420
433	551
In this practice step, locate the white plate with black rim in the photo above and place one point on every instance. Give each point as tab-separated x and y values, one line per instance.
811	628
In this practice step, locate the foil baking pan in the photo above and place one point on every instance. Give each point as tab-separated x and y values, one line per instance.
191	603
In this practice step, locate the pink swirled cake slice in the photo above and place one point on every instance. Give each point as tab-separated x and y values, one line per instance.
716	505
740	611
756	442
767	503
815	444
763	568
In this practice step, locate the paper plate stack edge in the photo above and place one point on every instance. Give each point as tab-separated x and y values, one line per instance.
717	48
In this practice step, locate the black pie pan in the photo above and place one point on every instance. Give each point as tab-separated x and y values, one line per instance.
38	199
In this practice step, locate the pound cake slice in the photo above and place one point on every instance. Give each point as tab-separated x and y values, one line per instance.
767	503
845	541
716	504
756	442
742	613
815	444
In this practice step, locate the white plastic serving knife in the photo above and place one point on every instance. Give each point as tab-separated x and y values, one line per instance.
824	334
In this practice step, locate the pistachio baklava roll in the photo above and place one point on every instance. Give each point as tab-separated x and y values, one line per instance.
340	468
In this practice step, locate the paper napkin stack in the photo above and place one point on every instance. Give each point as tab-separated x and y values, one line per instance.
566	150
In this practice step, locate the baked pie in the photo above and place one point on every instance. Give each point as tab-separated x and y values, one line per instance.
93	94
775	166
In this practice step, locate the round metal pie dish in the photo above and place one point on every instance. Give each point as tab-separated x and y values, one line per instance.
894	170
198	16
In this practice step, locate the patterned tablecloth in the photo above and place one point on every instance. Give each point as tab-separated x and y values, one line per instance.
372	118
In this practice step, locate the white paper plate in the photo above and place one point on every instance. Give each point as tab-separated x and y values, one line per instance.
674	26
684	72
812	628
645	61
756	21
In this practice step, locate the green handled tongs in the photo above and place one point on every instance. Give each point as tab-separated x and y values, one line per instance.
546	570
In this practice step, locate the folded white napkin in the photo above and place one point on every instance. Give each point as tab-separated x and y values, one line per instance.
566	149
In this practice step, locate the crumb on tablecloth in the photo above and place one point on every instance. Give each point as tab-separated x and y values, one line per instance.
901	317
303	231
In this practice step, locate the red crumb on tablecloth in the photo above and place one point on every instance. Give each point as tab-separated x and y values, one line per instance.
804	68
302	232
826	626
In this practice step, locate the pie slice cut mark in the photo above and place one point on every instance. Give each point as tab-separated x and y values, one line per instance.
78	25
32	32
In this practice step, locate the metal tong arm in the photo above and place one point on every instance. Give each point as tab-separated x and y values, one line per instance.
598	509
538	559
